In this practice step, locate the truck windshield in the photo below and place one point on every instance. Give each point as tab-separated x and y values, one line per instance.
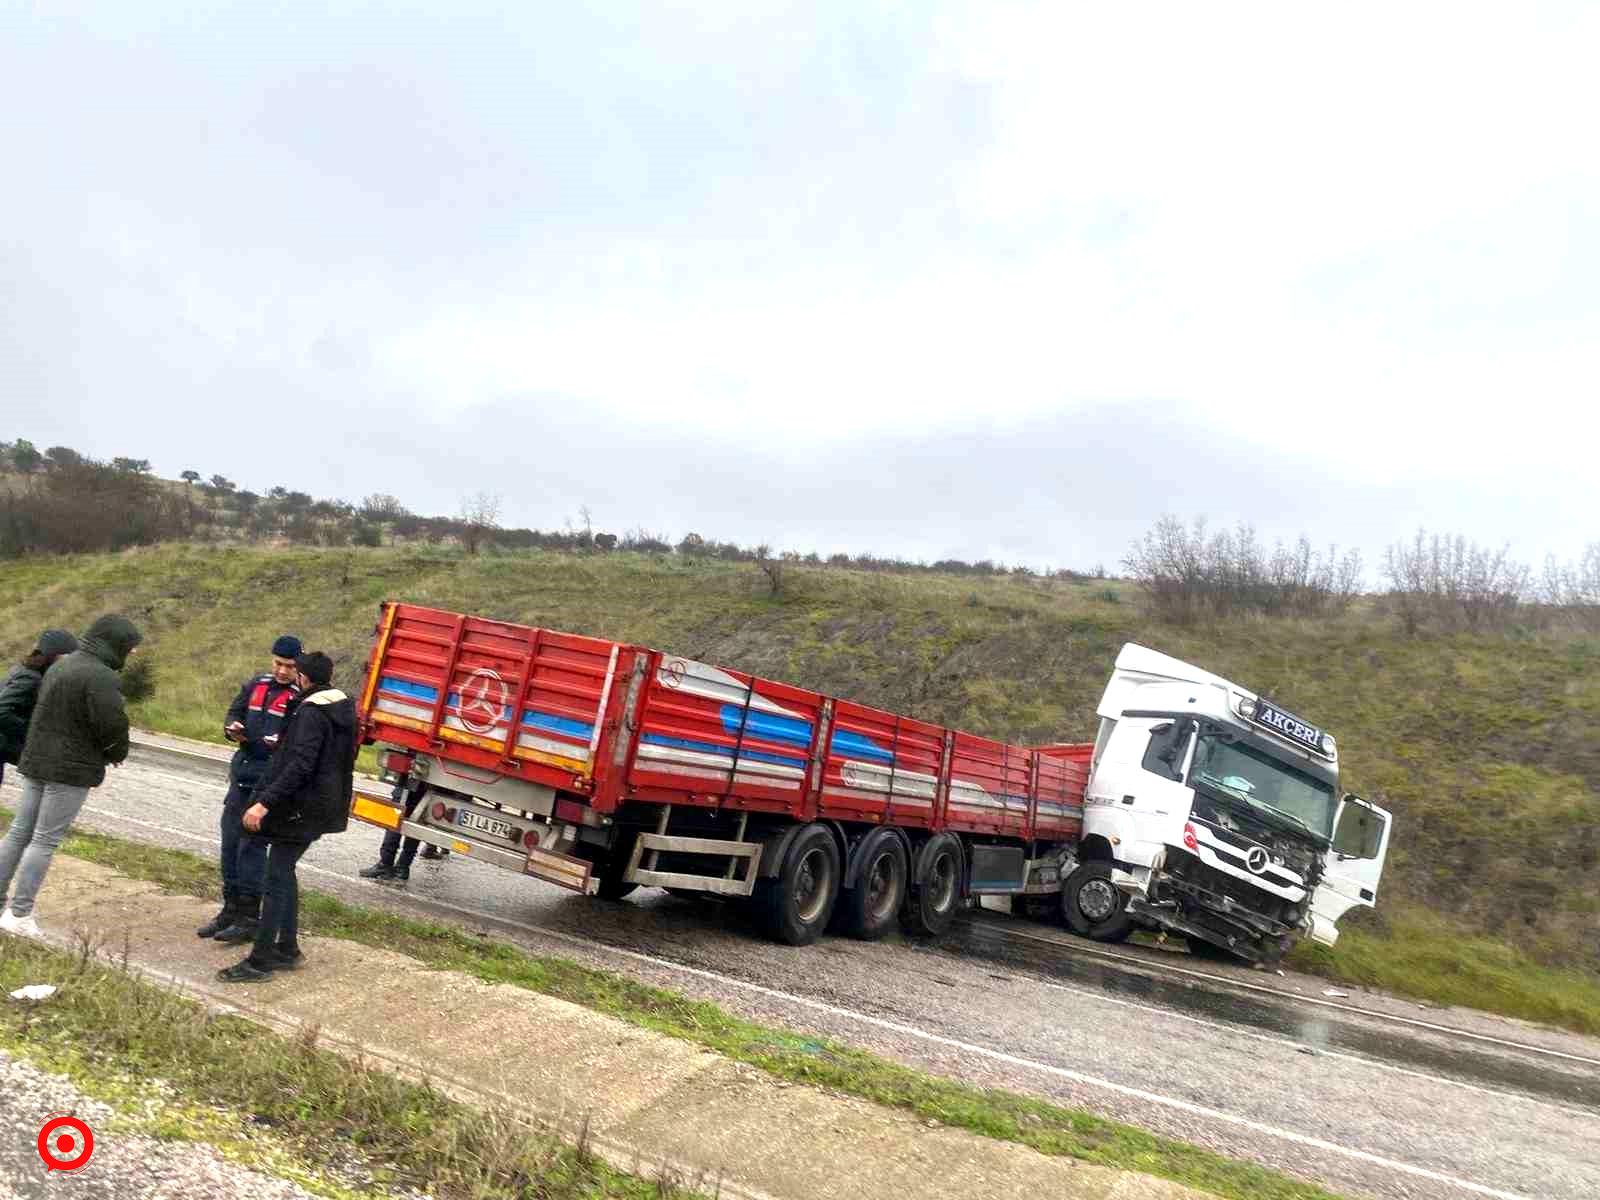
1236	769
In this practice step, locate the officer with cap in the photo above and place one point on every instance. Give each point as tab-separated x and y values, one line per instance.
254	721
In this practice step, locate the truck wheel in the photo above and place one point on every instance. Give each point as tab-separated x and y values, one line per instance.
931	904
795	907
868	909
1092	905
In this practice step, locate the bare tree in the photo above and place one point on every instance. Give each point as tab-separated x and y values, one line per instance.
480	517
771	567
380	506
1452	582
1188	573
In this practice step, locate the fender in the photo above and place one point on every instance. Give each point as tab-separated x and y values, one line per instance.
852	870
774	851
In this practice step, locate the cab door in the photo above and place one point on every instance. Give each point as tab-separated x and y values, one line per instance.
1352	866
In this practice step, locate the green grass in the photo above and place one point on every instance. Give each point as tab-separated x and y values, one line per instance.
1421	954
1046	1127
1486	746
105	1028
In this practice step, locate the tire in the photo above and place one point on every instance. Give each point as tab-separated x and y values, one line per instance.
931	904
796	906
1093	907
870	908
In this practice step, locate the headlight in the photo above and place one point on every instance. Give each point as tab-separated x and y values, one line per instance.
1328	744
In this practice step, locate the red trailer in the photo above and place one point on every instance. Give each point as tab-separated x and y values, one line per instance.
603	766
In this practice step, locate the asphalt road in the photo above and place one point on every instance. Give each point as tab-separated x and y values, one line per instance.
1369	1096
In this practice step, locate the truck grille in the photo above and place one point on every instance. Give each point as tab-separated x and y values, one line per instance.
1191	870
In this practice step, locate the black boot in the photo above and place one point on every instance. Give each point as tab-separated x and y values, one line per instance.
223	919
377	870
431	851
246	920
247	970
283	957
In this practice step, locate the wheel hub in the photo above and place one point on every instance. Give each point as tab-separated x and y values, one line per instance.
1097	899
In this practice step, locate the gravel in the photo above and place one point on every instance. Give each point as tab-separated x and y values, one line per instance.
124	1166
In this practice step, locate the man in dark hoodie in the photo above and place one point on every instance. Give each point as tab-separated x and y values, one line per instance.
254	720
20	692
79	725
306	794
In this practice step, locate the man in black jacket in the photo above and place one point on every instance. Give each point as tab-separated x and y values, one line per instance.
79	727
306	794
255	721
20	692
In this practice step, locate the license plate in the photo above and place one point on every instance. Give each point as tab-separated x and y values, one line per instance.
478	823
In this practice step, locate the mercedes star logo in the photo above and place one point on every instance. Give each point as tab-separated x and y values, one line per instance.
483	701
1256	859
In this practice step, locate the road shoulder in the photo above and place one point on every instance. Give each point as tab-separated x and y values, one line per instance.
644	1098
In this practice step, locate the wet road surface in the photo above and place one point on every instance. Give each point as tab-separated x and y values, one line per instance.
1360	1103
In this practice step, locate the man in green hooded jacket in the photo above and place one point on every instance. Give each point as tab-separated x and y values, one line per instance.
79	725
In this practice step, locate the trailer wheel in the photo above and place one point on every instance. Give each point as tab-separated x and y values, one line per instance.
1092	905
932	901
869	909
795	907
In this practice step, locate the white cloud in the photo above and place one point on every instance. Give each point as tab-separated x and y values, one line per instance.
1356	240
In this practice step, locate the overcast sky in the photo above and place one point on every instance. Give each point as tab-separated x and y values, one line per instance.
981	280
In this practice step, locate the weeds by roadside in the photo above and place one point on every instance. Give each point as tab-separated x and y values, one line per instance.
103	1021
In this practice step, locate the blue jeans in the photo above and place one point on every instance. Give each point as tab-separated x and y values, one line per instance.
280	913
244	855
44	814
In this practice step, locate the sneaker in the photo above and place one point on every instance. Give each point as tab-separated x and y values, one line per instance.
377	871
20	926
243	971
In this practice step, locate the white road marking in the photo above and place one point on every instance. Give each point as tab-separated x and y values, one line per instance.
1079	1077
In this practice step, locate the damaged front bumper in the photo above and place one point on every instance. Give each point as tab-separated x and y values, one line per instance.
1188	907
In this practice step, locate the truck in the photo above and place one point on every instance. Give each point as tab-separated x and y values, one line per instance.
602	766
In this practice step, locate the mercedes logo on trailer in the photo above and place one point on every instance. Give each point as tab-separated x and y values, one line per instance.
483	701
1256	859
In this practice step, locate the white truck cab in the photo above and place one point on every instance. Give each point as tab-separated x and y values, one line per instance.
1215	813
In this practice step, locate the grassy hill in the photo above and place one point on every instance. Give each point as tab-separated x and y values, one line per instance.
1487	747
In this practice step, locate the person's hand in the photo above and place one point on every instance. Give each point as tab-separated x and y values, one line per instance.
253	817
232	732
